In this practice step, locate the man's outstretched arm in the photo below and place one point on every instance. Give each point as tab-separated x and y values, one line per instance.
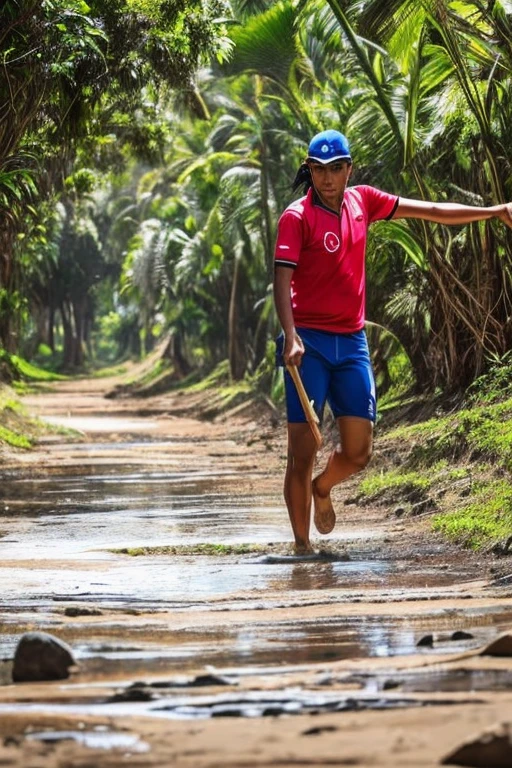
451	213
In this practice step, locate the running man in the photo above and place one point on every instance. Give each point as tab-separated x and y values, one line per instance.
319	294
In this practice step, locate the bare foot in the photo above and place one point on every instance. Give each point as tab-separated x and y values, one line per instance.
303	549
324	517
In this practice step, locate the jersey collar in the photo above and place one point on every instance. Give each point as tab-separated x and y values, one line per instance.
315	199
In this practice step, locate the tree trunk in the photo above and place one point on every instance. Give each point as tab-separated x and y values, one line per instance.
7	337
69	336
237	358
79	310
174	352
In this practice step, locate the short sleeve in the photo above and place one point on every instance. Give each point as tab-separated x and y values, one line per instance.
289	239
379	205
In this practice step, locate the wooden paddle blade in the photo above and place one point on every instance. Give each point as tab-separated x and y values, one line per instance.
310	412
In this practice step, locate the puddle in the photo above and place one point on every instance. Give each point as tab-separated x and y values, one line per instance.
250	704
286	642
272	704
452	681
292	643
100	424
98	738
56	535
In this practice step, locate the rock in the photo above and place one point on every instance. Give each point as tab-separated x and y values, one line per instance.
502	547
324	678
136	692
492	749
459	634
502	646
41	656
426	640
74	611
319	729
210	679
422	506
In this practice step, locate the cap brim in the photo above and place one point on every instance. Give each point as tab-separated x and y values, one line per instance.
329	160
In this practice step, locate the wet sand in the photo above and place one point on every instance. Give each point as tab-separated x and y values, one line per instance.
244	656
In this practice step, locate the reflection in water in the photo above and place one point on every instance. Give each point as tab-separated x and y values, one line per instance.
329	575
432	680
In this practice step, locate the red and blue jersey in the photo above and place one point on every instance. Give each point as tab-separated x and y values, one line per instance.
327	254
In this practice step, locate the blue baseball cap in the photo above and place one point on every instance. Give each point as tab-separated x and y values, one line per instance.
328	146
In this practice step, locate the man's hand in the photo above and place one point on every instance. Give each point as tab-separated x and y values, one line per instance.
293	349
506	214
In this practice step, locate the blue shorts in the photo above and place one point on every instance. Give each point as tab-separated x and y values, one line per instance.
336	369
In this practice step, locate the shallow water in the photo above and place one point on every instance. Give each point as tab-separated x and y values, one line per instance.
246	704
99	738
58	533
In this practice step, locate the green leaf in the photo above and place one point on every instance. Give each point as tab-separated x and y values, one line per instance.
400	234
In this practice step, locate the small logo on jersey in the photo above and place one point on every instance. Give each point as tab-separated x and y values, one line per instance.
331	242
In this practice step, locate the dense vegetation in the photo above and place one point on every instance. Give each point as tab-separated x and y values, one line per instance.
147	149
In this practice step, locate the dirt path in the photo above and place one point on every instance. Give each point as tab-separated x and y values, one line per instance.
239	656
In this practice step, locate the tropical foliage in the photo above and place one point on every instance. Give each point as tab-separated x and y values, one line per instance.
145	159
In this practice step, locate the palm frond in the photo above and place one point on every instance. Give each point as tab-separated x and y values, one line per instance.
269	45
382	20
398	232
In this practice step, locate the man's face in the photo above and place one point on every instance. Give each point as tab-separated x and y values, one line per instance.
330	180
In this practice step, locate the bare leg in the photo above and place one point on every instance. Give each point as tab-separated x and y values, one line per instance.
351	456
297	483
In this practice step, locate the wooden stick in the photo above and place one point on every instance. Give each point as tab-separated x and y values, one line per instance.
310	412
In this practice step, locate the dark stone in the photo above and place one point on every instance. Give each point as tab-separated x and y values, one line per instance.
459	634
422	506
426	640
492	749
226	712
136	692
502	646
210	679
12	741
502	548
324	679
76	611
317	730
41	656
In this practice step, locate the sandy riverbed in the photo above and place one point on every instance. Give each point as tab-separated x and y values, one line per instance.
319	660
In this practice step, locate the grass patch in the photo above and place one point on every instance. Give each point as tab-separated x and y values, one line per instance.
379	483
454	463
485	522
150	375
223	392
15	424
22	369
104	373
218	550
14	439
484	432
18	429
218	377
495	385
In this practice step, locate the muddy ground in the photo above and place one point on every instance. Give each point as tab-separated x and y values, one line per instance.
372	655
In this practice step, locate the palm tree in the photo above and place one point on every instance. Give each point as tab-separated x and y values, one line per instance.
63	65
438	70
